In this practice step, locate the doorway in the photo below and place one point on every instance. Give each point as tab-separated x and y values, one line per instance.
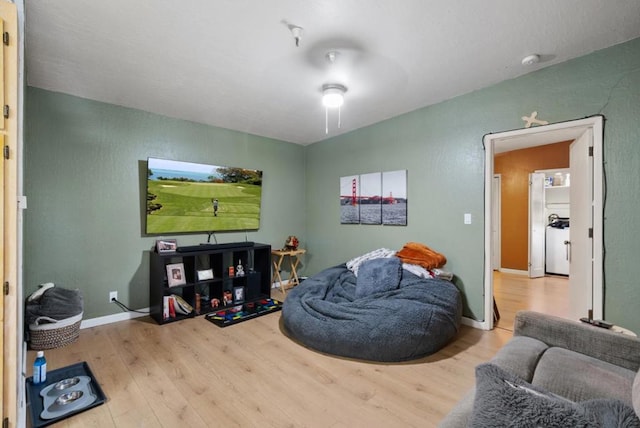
586	289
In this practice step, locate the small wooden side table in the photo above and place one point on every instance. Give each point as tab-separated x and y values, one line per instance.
278	257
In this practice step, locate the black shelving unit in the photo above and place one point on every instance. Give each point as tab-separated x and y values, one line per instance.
208	295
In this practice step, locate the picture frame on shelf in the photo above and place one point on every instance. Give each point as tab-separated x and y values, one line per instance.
175	274
205	274
238	295
227	298
166	246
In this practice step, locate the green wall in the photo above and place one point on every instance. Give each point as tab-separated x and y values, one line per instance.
85	172
84	181
441	147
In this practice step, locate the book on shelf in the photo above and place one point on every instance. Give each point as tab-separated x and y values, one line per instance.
181	305
172	307
165	307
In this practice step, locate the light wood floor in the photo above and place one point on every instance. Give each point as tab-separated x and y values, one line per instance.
194	374
513	293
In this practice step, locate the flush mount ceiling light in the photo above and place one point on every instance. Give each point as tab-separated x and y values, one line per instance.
332	98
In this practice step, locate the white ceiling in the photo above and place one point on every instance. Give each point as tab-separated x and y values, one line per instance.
234	63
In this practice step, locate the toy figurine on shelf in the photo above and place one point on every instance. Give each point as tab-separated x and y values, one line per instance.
291	244
239	269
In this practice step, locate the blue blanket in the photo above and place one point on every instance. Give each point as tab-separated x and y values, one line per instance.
413	320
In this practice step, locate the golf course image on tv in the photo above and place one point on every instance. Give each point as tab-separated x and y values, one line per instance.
187	197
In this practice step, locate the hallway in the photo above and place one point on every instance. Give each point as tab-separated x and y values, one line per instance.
513	293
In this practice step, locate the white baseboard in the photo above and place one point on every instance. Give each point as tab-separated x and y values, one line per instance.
515	271
109	319
481	325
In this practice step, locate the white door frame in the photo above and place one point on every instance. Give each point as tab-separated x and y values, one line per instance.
497	223
536	136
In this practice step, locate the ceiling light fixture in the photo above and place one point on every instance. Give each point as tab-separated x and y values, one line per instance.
530	59
332	98
333	95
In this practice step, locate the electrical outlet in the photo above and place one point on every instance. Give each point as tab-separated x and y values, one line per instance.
113	295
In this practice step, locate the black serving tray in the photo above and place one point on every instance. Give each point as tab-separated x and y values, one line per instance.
35	401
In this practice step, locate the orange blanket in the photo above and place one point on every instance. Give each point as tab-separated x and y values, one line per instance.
419	254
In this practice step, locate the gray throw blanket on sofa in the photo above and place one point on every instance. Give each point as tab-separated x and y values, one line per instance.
56	303
411	320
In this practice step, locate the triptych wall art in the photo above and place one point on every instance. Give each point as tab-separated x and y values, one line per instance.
375	198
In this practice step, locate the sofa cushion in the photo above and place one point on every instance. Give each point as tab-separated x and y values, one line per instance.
579	377
503	399
520	356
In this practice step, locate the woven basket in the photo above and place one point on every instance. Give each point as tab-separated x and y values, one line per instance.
54	335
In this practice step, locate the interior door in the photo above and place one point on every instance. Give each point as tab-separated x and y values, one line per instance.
581	230
11	366
537	225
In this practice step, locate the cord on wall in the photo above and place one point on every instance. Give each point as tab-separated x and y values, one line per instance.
126	308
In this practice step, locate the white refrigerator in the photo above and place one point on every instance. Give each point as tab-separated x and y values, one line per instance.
558	251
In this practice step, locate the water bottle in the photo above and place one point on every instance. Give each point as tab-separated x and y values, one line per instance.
39	369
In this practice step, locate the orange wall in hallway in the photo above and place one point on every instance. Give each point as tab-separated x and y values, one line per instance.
515	167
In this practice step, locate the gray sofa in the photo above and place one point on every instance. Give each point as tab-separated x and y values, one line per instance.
567	365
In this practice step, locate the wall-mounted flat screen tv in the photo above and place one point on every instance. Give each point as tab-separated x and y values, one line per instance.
184	197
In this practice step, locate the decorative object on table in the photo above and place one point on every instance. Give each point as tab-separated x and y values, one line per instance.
238	294
232	271
291	243
239	269
166	245
53	315
175	274
67	391
205	274
215	303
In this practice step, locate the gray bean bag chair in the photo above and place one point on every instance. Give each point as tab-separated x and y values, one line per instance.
384	314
